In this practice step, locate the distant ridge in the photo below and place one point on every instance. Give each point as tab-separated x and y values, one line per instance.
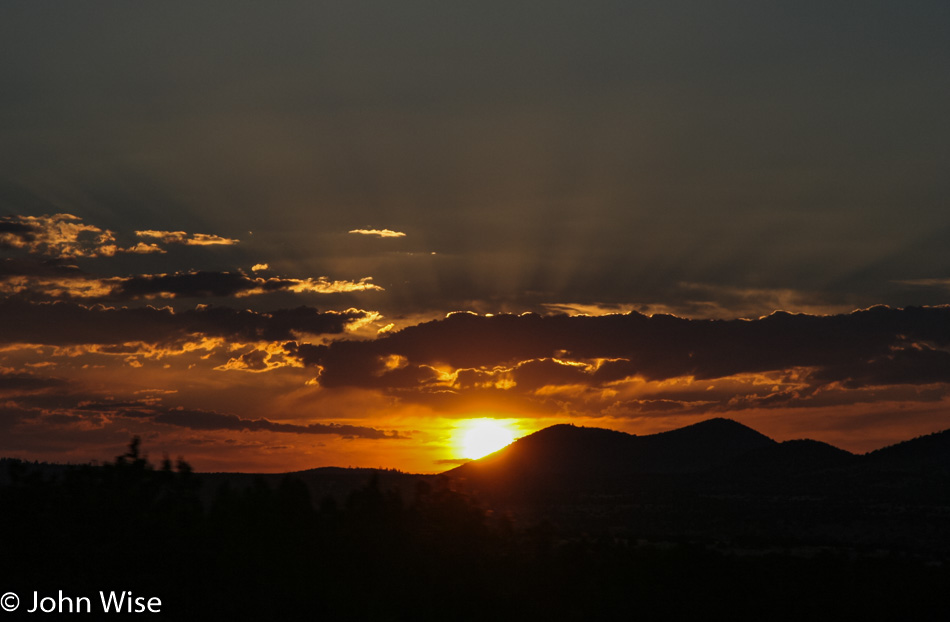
702	446
716	482
571	458
565	447
716	456
931	452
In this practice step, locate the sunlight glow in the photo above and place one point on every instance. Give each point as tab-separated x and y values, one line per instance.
476	438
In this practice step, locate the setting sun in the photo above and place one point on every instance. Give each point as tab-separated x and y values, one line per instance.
476	438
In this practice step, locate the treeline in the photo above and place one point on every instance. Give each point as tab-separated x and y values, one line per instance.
272	553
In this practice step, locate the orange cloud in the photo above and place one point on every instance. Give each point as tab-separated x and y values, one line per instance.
182	237
143	248
381	233
65	236
238	284
61	288
57	235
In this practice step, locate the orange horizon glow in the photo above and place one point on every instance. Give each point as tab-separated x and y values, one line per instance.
430	443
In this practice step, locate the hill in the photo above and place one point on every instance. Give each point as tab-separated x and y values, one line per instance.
721	481
568	459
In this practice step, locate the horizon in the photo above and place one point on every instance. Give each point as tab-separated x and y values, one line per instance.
451	465
268	239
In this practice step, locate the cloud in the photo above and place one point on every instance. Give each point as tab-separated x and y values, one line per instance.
207	420
31	279
19	381
71	410
538	373
708	301
720	301
608	355
591	308
182	237
143	248
262	358
67	323
930	283
194	419
10	266
57	235
199	284
40	289
39	282
205	239
381	233
65	236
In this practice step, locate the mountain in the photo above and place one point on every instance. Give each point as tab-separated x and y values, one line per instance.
565	459
930	453
801	460
717	455
565	448
720	481
717	483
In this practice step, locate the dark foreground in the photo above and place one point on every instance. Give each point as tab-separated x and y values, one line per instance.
269	552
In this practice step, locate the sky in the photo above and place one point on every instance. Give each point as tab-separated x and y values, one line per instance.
269	237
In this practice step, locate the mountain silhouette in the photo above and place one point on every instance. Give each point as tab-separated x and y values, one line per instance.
930	453
716	490
802	463
567	459
567	448
716	455
712	520
721	481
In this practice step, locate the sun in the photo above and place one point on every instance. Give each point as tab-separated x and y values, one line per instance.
480	437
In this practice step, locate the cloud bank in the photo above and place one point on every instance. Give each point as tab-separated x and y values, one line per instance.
648	363
65	323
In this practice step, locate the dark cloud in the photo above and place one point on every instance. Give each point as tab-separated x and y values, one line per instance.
875	346
64	323
207	420
14	234
537	373
67	411
25	381
29	279
919	364
210	420
190	284
52	280
10	267
12	415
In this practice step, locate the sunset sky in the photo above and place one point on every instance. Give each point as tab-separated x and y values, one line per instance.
275	236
